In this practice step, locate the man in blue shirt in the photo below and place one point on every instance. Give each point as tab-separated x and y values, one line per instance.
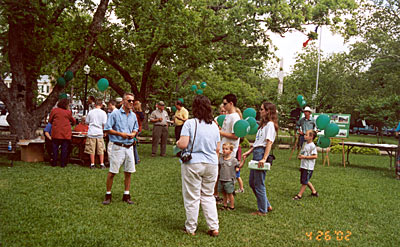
304	124
121	128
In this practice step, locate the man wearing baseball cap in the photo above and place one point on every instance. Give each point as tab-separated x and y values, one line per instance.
304	124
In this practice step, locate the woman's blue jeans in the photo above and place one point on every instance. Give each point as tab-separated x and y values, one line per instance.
257	182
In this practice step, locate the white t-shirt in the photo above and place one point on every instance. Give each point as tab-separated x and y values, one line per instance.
227	126
96	119
266	133
309	149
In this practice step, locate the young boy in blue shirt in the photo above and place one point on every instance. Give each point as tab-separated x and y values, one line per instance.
308	155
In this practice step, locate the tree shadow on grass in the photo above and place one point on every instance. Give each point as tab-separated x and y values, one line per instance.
366	167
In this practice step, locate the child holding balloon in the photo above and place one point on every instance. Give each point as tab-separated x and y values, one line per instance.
308	155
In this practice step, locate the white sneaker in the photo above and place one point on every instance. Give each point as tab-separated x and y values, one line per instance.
102	167
239	191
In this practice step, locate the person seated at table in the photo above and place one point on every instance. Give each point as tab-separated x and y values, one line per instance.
82	127
48	142
96	119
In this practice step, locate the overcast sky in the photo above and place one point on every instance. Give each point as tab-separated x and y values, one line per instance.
292	44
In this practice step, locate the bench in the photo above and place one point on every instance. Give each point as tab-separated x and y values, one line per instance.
4	141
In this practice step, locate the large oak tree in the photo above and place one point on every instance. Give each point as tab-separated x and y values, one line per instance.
36	37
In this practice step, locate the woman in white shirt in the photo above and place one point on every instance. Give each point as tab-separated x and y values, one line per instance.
261	149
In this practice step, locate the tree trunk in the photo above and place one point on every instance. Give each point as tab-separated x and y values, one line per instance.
22	123
24	115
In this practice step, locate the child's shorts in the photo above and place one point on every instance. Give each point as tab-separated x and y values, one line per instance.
305	176
227	186
238	174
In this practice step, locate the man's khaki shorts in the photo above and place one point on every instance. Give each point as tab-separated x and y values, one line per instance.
93	144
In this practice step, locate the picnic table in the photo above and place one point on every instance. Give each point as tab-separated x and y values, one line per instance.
77	151
78	141
391	149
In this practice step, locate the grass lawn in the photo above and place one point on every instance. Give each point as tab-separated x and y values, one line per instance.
45	206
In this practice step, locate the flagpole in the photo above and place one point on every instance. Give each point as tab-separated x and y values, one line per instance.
319	58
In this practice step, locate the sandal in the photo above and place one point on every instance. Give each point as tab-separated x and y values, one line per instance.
315	194
223	208
230	209
296	197
213	233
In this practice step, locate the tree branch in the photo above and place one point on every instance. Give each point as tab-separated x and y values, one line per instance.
94	29
59	10
112	84
124	73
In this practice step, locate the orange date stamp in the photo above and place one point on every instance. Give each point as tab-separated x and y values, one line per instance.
328	235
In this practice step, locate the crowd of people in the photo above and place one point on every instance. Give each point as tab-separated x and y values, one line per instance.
211	157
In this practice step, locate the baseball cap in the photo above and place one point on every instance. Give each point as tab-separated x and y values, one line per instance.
161	103
119	99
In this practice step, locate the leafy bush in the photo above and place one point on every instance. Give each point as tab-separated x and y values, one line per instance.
146	133
284	140
355	150
245	143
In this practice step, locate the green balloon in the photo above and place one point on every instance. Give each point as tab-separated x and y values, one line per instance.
173	108
241	128
300	99
69	75
102	84
303	103
254	129
199	91
322	121
249	112
220	120
61	81
63	96
181	100
193	88
331	130
324	142
175	150
203	84
252	121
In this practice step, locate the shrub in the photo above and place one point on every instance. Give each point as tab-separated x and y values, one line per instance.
146	133
245	143
355	150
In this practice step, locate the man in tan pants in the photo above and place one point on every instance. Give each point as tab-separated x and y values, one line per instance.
160	119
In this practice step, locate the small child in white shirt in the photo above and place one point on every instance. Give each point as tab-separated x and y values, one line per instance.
308	155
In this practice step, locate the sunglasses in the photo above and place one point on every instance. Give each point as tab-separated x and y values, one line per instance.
130	100
225	103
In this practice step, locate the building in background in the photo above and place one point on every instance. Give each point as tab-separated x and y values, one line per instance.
44	86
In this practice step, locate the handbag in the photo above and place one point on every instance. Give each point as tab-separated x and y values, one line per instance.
185	157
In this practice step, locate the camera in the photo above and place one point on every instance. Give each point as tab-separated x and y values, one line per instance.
270	158
185	157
